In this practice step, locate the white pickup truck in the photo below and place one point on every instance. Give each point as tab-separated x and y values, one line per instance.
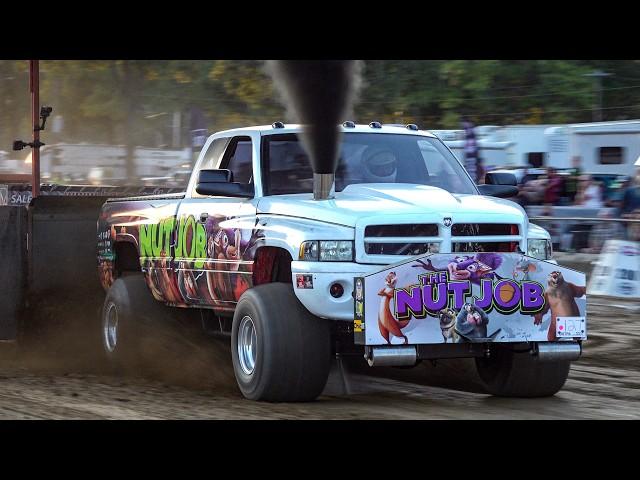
275	260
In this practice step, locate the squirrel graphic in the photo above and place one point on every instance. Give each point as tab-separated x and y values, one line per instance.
560	299
387	323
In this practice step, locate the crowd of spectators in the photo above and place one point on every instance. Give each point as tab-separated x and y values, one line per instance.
611	196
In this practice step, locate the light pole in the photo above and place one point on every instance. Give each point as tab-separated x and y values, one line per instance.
597	108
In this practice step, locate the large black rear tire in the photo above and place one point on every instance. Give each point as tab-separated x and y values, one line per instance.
507	373
284	352
128	314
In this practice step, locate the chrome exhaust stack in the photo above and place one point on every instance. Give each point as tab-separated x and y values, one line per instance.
322	186
391	356
558	351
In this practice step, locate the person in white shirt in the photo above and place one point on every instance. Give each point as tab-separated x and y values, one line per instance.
589	193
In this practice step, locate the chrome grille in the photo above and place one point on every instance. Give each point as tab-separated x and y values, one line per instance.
504	237
401	239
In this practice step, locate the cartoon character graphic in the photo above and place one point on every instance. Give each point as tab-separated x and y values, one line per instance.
560	298
523	267
187	282
387	323
106	274
471	324
447	317
466	267
226	248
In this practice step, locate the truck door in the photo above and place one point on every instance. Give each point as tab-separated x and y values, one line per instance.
214	237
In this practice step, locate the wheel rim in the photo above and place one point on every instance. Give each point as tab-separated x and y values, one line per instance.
247	344
110	328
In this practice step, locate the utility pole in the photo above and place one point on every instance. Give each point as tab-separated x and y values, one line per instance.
597	75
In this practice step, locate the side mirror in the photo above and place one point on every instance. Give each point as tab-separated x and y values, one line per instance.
221	175
500	191
220	183
500	178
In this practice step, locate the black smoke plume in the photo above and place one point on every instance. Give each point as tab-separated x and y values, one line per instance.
318	94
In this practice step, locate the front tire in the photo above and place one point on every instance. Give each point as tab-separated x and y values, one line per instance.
513	374
280	351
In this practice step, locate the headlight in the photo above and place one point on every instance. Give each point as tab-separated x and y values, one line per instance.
327	251
539	248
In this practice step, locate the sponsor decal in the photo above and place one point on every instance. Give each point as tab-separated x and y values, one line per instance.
486	297
304	281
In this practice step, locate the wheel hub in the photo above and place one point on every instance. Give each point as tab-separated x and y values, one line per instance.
110	328
247	344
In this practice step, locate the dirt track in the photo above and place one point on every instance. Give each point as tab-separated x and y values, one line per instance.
192	379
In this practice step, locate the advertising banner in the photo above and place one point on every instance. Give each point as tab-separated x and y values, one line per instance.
481	297
617	273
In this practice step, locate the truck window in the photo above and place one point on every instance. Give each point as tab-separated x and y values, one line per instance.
364	158
214	152
238	159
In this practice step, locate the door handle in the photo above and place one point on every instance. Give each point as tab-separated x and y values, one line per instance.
203	217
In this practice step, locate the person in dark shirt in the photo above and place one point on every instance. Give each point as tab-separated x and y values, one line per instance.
631	196
554	187
573	180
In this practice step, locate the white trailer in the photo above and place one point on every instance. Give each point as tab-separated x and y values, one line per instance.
604	147
493	151
528	145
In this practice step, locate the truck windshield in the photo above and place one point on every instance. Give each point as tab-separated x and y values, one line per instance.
365	158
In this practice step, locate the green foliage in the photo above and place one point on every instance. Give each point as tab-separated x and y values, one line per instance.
133	102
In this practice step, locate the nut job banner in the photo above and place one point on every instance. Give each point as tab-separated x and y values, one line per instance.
482	297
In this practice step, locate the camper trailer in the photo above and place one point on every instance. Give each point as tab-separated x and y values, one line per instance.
493	151
528	144
604	147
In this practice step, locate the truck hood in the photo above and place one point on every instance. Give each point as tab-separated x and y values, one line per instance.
359	201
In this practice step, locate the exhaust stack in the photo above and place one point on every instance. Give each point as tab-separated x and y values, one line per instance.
319	95
322	185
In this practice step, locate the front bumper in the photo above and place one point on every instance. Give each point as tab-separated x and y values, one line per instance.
318	300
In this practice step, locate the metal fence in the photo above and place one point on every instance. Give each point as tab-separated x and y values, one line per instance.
573	229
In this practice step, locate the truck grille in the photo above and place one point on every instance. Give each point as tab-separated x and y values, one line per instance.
409	230
482	230
386	243
401	239
476	229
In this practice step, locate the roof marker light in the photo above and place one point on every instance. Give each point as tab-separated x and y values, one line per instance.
277	125
375	125
412	126
349	124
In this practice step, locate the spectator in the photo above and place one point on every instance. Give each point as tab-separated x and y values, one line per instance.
630	207
553	188
481	171
631	195
533	191
589	193
573	180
